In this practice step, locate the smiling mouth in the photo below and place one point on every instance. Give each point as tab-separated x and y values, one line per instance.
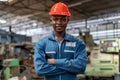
59	27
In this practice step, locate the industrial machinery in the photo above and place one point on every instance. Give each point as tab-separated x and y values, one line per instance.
16	56
103	60
11	68
110	45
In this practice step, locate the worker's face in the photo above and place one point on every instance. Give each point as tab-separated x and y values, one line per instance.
59	23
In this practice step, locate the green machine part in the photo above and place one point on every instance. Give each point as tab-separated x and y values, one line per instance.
110	45
117	76
104	60
11	68
7	73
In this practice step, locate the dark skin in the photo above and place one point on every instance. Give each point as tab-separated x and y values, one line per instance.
59	24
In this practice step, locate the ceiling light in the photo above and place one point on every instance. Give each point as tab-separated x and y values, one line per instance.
2	21
6	0
119	21
34	24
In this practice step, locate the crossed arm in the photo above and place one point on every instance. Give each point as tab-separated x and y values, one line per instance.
59	66
76	65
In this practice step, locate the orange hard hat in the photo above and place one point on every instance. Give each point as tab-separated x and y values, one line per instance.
59	9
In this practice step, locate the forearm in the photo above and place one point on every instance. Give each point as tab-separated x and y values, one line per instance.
48	71
44	68
73	66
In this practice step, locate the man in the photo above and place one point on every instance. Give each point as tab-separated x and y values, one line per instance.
59	56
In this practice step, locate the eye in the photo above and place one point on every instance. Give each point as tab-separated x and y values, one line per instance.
55	19
64	19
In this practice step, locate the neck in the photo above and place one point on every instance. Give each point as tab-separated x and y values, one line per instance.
59	36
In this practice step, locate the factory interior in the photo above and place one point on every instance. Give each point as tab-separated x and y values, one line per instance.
24	22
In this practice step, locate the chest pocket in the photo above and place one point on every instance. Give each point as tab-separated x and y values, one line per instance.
69	54
50	54
69	50
50	50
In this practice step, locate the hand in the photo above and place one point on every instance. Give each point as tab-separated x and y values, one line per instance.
51	61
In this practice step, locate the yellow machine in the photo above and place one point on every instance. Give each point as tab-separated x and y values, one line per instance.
103	60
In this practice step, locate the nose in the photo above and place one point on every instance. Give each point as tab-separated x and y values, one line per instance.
59	21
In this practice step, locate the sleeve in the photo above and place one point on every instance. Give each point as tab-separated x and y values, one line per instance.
41	66
76	65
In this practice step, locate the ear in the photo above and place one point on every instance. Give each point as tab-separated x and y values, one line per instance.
50	21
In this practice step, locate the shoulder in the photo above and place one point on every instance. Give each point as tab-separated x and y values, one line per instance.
73	38
43	40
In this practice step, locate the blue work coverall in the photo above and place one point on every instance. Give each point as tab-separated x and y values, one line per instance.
70	58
